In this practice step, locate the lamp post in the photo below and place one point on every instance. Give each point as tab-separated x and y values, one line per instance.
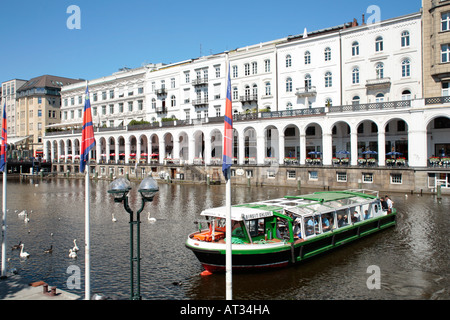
120	188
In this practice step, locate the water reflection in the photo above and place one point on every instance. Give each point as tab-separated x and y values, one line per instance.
413	257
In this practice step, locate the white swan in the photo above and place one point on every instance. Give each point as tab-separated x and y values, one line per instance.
150	218
75	248
23	254
22	213
113	218
72	254
26	219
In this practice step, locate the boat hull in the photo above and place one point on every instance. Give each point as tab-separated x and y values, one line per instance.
260	257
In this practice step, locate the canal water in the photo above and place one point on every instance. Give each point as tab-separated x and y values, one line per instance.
413	257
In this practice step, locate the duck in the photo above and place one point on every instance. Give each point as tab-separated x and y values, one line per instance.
22	213
16	246
50	250
72	254
75	247
22	253
113	218
150	218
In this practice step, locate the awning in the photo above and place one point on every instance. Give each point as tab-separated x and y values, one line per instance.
17	140
238	213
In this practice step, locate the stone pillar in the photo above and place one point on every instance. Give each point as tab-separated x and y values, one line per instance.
327	143
281	153
302	148
354	147
381	148
260	149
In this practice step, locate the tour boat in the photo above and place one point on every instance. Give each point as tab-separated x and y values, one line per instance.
282	232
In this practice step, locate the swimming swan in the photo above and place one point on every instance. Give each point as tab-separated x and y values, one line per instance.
113	218
75	248
150	218
23	254
72	254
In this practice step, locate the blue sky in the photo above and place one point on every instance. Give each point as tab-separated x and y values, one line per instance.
35	39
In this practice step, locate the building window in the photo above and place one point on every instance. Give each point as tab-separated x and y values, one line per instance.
328	80
271	174
313	175
140	105
445	89
130	106
367	177
379	44
268	89
355	75
291	174
356	100
380	70
247	69
379	97
235	94
187	77
355	48
120	107
254	68
289	106
445	21
406	95
406	68
328	54
288	85
341	176
235	71
445	53
153	103
308	81
111	94
173	101
307	57
267	65
288	61
218	72
111	109
396	178
405	39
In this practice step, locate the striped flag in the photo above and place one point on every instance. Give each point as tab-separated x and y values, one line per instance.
87	136
228	132
4	139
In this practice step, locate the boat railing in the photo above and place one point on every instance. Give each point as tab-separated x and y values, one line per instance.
365	191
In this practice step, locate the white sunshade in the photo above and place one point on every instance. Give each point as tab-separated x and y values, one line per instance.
238	213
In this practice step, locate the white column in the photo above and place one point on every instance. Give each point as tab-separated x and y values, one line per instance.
417	148
127	152
260	149
149	150
281	154
302	148
241	146
208	150
176	148
381	148
191	150
162	151
98	148
117	151
354	147
327	143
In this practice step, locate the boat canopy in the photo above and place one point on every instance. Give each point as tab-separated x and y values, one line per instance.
238	213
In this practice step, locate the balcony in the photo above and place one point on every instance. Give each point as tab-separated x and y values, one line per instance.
200	102
249	98
161	110
375	84
161	92
306	92
200	82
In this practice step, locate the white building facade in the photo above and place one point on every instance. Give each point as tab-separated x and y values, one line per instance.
352	90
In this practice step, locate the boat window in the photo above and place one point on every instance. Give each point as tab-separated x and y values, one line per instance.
255	227
355	215
327	222
342	218
282	228
312	225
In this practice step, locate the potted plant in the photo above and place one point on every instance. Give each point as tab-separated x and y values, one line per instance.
362	161
336	161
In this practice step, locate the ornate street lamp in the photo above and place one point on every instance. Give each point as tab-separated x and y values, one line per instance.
120	188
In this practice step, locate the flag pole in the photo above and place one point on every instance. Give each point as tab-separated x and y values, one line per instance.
3	167
3	275
228	133
87	236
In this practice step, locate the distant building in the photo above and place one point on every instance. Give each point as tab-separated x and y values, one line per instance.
8	98
38	105
436	48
